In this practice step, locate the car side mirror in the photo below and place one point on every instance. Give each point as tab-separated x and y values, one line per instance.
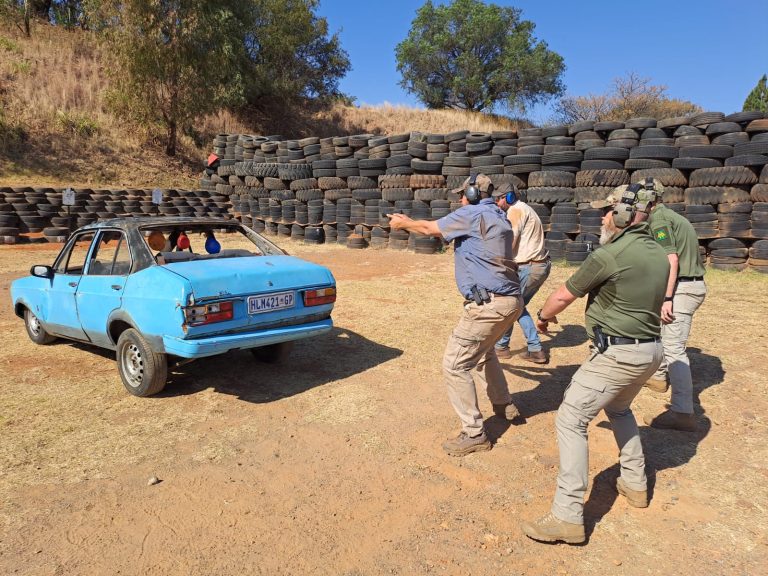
41	271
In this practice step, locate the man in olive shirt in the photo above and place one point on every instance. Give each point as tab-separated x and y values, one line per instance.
625	280
685	293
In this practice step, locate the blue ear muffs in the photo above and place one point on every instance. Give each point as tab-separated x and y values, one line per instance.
510	198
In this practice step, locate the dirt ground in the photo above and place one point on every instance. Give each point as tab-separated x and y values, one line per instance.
331	463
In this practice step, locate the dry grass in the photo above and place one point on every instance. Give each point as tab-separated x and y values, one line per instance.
56	126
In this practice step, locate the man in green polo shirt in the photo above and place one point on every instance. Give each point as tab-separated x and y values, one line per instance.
625	280
685	293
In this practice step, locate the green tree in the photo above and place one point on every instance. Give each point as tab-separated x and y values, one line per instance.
174	60
758	98
290	54
476	56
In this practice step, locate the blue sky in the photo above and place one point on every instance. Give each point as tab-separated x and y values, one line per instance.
709	52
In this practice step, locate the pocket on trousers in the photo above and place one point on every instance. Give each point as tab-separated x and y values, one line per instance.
630	357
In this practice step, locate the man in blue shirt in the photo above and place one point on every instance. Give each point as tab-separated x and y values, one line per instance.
486	276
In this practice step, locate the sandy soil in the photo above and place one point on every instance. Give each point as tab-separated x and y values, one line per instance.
331	463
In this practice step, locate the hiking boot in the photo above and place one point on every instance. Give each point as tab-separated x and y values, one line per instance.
551	529
503	353
463	444
656	385
671	420
506	411
636	498
539	357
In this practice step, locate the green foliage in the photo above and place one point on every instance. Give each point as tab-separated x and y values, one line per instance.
476	56
174	60
758	97
9	45
76	124
290	55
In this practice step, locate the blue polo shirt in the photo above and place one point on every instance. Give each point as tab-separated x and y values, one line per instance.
482	238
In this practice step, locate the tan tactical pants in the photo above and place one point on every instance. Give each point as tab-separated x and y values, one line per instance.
688	297
470	357
607	381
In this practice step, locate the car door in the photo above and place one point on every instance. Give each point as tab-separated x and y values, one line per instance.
100	291
61	316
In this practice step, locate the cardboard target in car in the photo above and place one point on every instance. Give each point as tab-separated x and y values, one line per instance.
157	196
68	197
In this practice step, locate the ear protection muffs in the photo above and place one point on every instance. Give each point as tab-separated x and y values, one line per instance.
472	193
624	211
511	197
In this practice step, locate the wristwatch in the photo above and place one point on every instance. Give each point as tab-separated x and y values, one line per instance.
538	315
668	298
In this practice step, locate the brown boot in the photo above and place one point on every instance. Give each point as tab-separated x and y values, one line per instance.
506	411
636	498
656	385
670	420
503	353
539	357
463	444
551	529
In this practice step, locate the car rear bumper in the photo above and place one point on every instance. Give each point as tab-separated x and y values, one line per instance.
202	347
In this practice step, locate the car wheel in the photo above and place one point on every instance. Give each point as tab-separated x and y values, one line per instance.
36	332
142	370
273	353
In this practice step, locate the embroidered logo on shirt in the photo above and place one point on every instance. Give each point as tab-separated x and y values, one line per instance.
662	236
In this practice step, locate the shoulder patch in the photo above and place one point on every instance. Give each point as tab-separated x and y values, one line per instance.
661	235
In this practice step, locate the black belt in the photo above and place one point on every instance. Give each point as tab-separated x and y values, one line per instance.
495	294
617	340
690	278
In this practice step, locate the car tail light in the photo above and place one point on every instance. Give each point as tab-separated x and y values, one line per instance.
209	313
318	297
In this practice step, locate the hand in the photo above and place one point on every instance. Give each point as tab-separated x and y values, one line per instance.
398	221
543	326
667	317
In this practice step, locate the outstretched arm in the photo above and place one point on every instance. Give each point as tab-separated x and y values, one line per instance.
558	301
403	222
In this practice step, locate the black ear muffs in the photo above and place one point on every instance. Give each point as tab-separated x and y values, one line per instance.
472	193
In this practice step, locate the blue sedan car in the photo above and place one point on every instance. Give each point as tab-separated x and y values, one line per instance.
157	289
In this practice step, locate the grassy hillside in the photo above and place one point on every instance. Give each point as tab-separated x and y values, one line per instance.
56	126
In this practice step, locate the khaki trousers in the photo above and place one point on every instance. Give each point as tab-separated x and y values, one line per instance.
688	297
607	381
470	357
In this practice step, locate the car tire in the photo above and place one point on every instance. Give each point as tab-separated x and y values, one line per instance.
274	353
35	330
142	370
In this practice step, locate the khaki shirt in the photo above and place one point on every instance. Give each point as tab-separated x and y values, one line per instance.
626	281
528	243
676	236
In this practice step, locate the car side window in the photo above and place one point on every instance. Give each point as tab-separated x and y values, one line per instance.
72	260
111	256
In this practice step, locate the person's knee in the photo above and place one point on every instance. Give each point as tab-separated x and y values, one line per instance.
570	418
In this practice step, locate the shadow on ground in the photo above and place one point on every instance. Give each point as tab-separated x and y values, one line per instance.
313	362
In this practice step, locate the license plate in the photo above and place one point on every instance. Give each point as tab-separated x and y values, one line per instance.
271	302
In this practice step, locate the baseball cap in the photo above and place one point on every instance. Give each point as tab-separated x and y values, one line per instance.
502	190
482	182
613	198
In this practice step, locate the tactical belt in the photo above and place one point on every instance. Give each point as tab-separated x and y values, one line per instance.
690	278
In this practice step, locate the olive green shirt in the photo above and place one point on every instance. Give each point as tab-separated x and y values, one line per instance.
676	236
626	280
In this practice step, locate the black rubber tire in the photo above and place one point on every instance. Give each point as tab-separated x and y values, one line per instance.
550	194
35	330
602	178
691	163
716	151
552	178
755	160
667	176
274	353
735	208
591	193
721	243
715	195
726	176
142	370
645	164
658	152
730	252
602	165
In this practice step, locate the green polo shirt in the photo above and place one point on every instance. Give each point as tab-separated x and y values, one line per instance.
626	281
676	236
